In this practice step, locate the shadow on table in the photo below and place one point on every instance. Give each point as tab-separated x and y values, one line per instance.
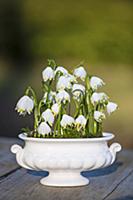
38	173
94	173
102	171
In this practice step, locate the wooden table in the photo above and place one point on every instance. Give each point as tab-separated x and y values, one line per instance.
112	183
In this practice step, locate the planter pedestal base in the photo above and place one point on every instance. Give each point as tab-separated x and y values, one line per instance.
64	179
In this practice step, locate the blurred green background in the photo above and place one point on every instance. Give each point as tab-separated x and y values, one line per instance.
98	32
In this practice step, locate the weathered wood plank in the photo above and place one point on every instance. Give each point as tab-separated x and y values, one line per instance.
124	191
24	184
7	159
120	170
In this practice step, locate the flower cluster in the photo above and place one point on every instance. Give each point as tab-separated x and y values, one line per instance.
70	105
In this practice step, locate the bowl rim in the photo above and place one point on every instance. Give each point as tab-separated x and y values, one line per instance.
106	136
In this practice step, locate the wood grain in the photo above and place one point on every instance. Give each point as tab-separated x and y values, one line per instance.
7	159
124	191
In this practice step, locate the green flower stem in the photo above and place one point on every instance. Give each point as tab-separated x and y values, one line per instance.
77	109
90	108
69	108
57	126
41	103
44	87
99	129
91	125
58	123
81	108
95	127
100	107
36	121
52	63
88	95
79	105
84	107
48	91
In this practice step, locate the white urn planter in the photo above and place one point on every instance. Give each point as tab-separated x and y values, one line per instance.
65	159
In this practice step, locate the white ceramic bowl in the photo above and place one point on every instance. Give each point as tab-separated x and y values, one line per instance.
64	159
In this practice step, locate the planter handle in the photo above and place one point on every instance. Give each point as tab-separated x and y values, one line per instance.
114	148
19	151
16	148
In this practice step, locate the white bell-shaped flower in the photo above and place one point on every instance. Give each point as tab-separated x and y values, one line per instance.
99	116
67	121
48	74
48	116
63	82
99	97
62	97
44	128
80	73
62	70
78	90
80	122
25	105
55	108
111	107
96	82
71	78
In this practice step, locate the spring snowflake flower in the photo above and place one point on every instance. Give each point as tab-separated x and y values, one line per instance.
80	73
48	74
51	97
62	97
25	105
62	70
99	116
67	121
80	122
44	128
71	78
99	98
111	107
78	90
63	82
55	108
95	98
96	82
48	116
